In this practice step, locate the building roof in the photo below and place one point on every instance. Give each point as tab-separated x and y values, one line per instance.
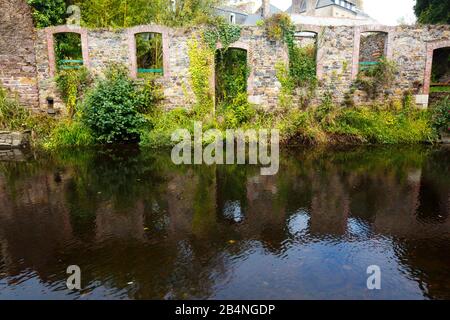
231	10
323	3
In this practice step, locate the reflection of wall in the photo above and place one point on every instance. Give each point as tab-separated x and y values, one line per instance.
330	205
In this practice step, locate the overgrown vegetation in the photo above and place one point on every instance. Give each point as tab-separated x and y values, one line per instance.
72	85
377	78
14	117
299	76
441	117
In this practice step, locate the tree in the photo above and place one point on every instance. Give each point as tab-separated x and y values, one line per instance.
125	13
48	13
433	11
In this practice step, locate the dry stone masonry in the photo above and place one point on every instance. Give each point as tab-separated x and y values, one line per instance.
27	59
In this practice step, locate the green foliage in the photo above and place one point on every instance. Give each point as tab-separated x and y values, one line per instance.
69	133
48	13
433	11
385	127
232	74
223	33
12	115
149	50
163	124
302	60
110	109
238	112
67	47
302	66
200	70
72	85
278	25
373	80
441	116
125	13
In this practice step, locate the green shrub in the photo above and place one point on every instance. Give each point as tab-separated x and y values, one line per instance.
111	108
441	116
238	112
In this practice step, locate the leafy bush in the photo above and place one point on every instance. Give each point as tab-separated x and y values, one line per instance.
111	108
48	13
441	116
239	112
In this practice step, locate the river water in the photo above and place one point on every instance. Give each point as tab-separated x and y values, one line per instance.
140	227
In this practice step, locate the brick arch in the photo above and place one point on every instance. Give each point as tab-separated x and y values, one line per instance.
357	42
132	32
431	46
243	46
51	31
320	52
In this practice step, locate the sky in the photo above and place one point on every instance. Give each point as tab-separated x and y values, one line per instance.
388	12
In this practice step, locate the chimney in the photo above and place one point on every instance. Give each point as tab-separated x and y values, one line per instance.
265	9
360	4
311	7
296	4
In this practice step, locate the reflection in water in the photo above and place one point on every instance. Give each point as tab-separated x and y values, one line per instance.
141	228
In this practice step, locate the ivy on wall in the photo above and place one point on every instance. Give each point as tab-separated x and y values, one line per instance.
223	33
302	60
201	59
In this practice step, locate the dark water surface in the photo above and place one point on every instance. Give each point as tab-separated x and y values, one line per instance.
141	228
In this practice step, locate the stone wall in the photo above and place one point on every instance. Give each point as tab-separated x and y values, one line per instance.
372	46
12	140
27	58
117	46
17	55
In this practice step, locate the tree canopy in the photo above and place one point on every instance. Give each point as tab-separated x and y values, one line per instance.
125	13
433	11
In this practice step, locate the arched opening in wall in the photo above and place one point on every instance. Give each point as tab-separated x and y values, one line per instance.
440	73
149	54
231	76
68	51
372	49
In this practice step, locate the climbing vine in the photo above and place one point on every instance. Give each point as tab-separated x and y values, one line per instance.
302	60
200	70
72	84
223	33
